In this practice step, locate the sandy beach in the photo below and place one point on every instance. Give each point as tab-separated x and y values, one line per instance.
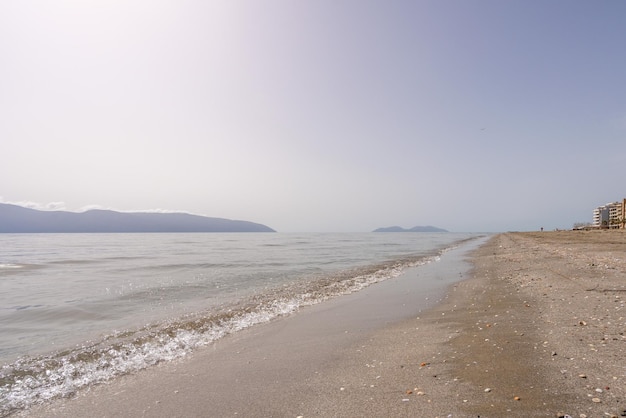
539	329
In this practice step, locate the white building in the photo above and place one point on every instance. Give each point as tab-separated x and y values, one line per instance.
610	215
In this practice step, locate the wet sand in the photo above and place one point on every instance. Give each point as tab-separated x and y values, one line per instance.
538	330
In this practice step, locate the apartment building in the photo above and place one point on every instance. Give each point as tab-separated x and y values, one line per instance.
611	215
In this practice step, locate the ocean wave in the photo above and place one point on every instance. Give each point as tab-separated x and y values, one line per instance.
32	380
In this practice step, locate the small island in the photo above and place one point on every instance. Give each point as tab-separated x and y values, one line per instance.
18	219
414	229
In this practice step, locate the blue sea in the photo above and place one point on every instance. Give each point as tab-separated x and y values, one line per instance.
81	309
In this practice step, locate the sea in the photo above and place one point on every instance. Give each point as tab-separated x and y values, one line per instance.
80	309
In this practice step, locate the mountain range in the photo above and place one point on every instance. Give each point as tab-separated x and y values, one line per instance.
18	219
414	229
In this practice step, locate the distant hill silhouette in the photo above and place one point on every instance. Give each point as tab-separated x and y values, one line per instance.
18	219
414	229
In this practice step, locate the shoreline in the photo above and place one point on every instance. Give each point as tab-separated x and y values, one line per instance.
147	319
541	319
291	356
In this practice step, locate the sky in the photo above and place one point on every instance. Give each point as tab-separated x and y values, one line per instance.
317	115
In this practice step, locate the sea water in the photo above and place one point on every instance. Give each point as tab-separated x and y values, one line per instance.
79	309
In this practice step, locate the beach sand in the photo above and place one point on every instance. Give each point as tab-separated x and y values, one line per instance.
538	330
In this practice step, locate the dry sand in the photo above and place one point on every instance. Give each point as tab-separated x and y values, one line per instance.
539	330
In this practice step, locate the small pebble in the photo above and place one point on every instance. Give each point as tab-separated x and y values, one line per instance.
487	390
517	398
596	400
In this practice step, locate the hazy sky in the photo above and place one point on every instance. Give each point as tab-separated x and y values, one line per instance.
317	115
